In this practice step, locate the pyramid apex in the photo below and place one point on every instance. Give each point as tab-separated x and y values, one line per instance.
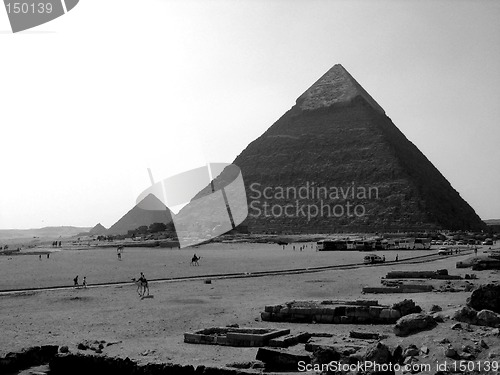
336	86
152	202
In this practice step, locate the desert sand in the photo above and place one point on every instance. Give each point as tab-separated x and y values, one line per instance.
151	329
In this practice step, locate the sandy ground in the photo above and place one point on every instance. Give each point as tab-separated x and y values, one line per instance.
117	314
102	265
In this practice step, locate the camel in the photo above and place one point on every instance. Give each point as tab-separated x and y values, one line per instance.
194	260
142	286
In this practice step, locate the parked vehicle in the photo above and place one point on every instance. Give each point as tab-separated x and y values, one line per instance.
365	245
422	243
445	250
327	245
373	258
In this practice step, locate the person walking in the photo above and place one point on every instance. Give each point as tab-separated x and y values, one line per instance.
75	281
84	283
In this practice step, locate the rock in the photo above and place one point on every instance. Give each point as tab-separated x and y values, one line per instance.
488	318
450	352
492	354
468	287
483	344
242	365
281	359
258	365
470	349
436	308
413	323
424	349
467	356
409	360
486	297
406	307
469	328
63	349
444	341
378	353
465	314
397	354
438	317
456	326
411	351
325	355
495	332
82	346
364	335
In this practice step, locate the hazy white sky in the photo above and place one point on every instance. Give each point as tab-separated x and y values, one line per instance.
92	99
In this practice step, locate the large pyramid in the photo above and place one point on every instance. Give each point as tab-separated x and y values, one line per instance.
148	211
335	163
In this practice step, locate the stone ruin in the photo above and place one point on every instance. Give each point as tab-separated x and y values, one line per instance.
234	336
338	312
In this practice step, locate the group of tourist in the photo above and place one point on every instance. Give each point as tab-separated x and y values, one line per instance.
84	282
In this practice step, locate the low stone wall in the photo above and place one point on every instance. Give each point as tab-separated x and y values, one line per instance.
234	336
80	364
290	340
85	364
37	355
439	274
410	288
300	312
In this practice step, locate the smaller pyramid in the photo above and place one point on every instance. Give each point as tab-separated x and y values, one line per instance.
148	211
98	230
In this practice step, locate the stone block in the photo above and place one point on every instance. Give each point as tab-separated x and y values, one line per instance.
390	314
350	311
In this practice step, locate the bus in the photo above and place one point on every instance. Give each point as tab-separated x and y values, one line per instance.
422	243
330	245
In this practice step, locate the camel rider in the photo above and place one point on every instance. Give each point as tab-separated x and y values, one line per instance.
142	279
